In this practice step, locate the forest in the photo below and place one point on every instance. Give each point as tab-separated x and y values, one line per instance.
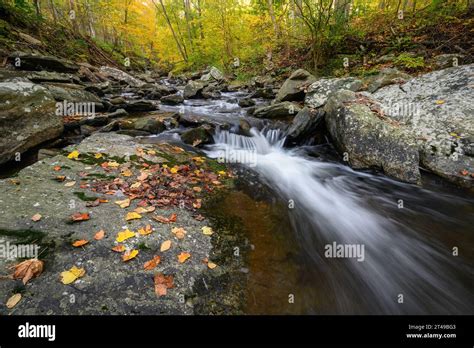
229	157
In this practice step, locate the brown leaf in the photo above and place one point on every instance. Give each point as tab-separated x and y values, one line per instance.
165	220
119	248
149	265
165	245
28	269
162	283
179	232
13	301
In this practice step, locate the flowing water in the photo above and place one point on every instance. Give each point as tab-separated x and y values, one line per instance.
407	233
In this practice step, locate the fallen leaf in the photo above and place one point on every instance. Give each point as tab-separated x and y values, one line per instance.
127	172
211	265
73	155
124	235
70	184
13	301
98	155
68	277
179	232
165	245
221	172
197	204
439	102
129	255
99	235
124	203
57	168
464	172
183	257
199	217
207	231
60	178
165	220
79	243
132	216
142	210
149	265
36	217
197	189
113	164
143	176
146	230
28	269
80	217
119	248
162	283
136	185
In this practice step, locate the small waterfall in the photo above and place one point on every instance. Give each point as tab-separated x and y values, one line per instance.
329	210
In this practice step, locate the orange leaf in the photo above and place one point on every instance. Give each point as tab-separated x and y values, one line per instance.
80	216
146	230
165	220
129	255
99	235
179	232
119	248
183	257
162	283
79	243
149	265
36	217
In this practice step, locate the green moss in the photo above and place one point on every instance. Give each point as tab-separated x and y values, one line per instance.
83	197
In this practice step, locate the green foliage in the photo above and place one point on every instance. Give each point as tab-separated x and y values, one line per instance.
409	62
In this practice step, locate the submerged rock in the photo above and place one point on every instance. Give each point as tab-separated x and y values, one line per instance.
28	118
293	88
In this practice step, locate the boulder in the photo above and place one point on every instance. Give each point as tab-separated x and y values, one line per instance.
387	76
368	139
246	102
193	89
118	113
29	61
293	88
121	76
51	76
197	136
213	74
265	93
277	110
437	109
27	118
140	106
172	99
305	124
318	92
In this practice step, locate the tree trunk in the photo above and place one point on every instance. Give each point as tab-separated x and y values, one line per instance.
187	16
272	16
37	8
183	55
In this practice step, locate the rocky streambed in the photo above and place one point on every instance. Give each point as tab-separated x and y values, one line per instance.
85	138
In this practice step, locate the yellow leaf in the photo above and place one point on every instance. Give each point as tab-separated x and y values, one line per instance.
183	257
179	232
165	245
124	203
132	216
98	155
207	230
112	164
129	255
124	235
211	265
174	170
142	210
69	184
439	102
13	301
127	172
221	172
136	185
68	277
73	155
146	230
